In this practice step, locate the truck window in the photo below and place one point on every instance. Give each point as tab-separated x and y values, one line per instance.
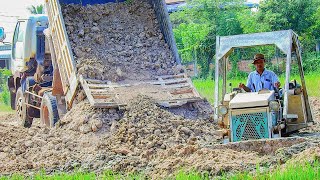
18	37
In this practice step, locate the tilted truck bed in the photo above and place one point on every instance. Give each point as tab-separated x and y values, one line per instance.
168	91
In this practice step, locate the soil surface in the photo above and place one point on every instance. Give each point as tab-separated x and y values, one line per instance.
143	138
122	42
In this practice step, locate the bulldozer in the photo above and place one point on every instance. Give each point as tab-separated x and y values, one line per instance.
266	113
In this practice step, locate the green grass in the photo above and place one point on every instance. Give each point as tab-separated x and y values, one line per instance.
107	175
302	171
5	108
206	86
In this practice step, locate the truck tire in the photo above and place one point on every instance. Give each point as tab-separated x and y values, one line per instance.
21	109
49	111
13	100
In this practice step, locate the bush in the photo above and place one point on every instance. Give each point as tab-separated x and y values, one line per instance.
5	95
311	62
237	74
4	92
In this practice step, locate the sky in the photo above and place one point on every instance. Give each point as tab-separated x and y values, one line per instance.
10	10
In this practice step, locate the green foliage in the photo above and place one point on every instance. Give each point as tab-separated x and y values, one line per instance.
39	9
5	95
196	27
299	171
298	15
4	92
303	171
78	175
4	108
311	62
189	36
249	23
206	86
193	175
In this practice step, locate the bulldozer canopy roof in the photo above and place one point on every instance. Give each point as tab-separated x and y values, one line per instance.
282	39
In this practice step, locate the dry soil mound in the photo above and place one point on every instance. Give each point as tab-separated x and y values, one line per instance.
144	138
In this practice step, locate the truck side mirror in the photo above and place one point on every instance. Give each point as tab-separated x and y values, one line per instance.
2	34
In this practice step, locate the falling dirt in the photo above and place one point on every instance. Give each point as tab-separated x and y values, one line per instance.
142	138
118	41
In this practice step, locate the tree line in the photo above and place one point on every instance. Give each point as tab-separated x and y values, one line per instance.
198	23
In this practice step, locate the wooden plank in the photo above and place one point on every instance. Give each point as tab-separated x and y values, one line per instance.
172	76
95	81
108	105
182	91
87	90
175	86
168	82
159	82
96	96
194	89
163	85
101	91
97	86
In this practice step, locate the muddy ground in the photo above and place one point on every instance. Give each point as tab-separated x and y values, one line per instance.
144	138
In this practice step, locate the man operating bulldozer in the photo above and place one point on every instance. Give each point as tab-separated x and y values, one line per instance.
261	78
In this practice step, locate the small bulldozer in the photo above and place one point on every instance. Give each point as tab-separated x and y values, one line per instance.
267	113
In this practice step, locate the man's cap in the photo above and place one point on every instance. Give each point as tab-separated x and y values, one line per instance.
258	57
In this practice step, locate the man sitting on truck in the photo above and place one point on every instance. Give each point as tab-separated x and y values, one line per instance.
261	78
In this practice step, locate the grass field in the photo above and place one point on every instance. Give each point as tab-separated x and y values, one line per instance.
303	171
206	86
5	108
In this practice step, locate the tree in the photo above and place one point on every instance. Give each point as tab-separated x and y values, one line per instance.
196	28
298	15
39	9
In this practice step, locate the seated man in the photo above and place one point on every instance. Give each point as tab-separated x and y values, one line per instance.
261	78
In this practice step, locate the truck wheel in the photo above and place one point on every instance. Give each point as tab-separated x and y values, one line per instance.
13	100
21	109
49	111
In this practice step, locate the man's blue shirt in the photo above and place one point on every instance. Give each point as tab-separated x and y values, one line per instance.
265	81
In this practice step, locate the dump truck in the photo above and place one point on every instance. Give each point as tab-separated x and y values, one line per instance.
45	83
267	113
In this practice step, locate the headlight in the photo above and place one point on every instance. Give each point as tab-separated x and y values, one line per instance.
223	110
274	105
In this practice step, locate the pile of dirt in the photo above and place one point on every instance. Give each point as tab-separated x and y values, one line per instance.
144	137
109	135
118	41
315	109
84	118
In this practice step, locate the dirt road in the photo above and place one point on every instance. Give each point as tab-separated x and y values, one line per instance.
143	138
